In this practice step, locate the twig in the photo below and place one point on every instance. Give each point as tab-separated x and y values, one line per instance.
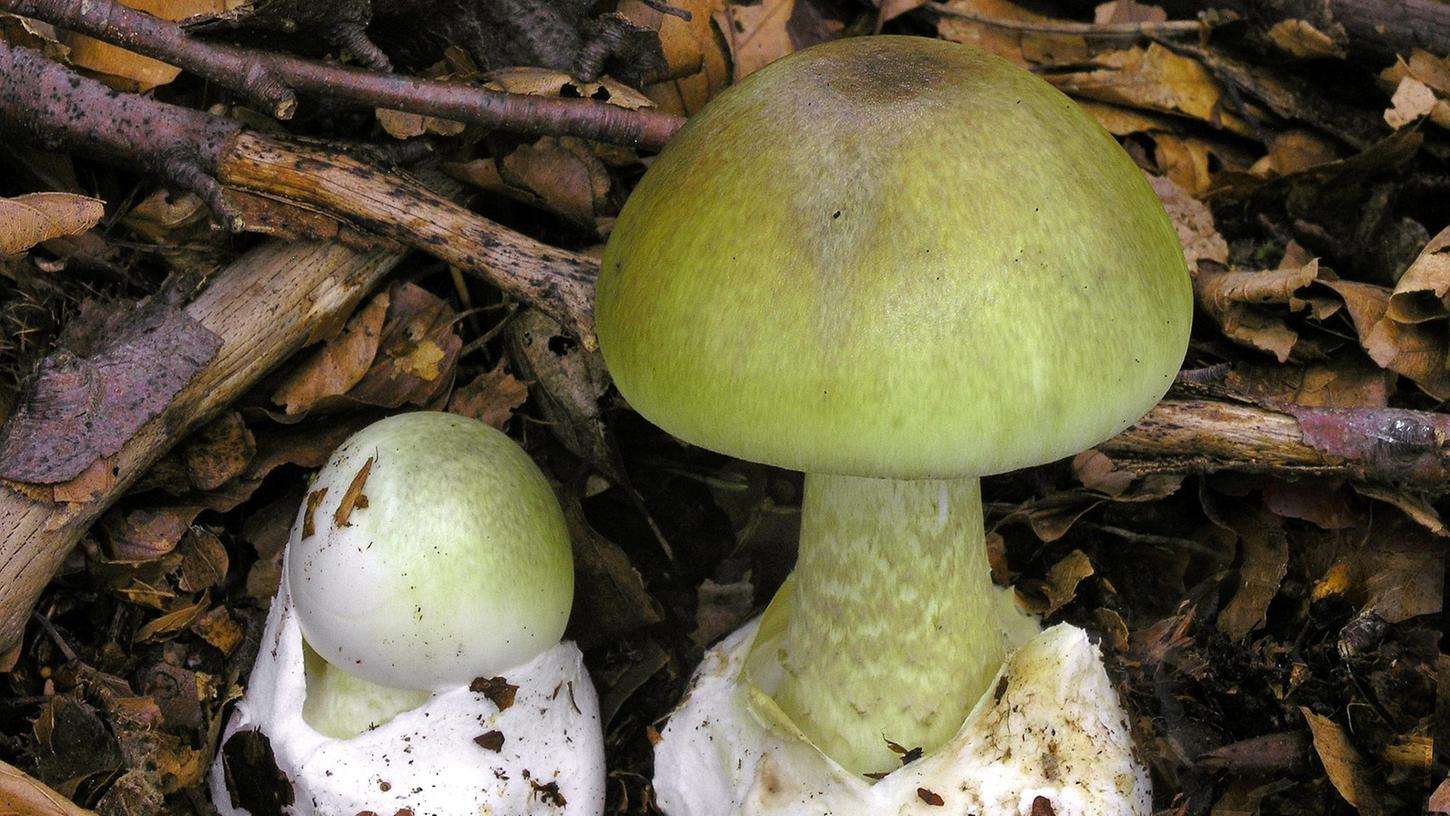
1168	28
271	79
1377	29
48	103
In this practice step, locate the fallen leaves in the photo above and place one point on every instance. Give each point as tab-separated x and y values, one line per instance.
31	219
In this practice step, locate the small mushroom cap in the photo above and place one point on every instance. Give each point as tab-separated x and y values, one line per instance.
430	551
893	256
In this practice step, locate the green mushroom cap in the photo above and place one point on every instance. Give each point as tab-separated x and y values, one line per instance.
893	256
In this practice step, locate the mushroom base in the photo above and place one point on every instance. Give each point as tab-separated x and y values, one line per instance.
460	753
1050	727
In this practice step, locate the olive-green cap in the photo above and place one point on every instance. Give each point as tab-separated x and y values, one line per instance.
897	257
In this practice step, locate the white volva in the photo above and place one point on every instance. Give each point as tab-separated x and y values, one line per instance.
430	552
1051	727
426	759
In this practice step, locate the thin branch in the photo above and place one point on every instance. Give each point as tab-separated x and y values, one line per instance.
271	79
1168	28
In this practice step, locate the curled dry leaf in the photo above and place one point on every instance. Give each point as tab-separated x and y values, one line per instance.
1235	299
1194	222
28	220
127	70
1154	79
757	34
491	397
970	22
548	82
338	365
695	52
1413	101
1423	292
1303	40
1343	763
400	349
1344	382
1265	563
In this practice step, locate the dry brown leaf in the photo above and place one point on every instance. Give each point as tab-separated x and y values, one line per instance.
491	397
204	561
220	629
1440	799
1128	11
1294	151
21	795
1303	40
1343	763
1233	298
219	452
1155	79
128	70
1265	563
1098	473
548	82
969	22
757	34
1063	578
338	365
28	220
173	621
563	175
721	609
405	125
168	216
1184	160
891	9
695	52
145	534
1423	292
1351	383
1416	350
1194	222
1413	100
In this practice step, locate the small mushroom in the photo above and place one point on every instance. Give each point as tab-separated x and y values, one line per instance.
896	264
412	658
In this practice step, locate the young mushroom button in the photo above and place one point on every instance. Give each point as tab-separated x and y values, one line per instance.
412	659
896	264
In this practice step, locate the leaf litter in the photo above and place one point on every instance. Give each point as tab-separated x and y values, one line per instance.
1273	635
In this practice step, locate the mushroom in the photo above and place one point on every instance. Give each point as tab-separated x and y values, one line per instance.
897	264
412	658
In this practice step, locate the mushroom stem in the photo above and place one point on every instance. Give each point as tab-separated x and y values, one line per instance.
342	705
891	632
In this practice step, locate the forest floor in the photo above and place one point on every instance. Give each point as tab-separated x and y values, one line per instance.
1262	559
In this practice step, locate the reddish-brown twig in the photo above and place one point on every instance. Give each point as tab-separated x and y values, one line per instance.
271	79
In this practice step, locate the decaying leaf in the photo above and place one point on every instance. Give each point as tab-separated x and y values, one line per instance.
563	175
695	52
548	82
1234	298
1348	382
1342	761
400	349
338	365
568	383
131	71
1265	562
1194	222
970	22
757	34
609	594
28	220
1413	101
1302	39
491	397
